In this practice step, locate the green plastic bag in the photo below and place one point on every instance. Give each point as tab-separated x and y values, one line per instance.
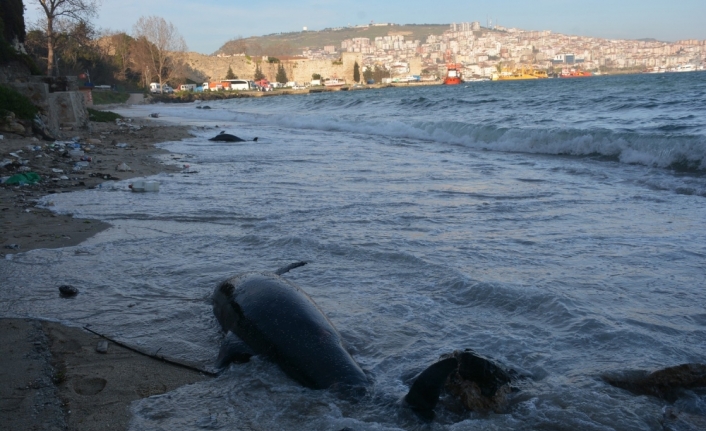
26	178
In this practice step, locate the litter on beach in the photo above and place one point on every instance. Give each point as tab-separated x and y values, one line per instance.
144	186
123	167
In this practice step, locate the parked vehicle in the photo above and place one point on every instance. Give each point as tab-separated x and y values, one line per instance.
164	88
236	84
187	87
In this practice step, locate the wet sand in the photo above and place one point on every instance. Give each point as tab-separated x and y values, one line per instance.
51	376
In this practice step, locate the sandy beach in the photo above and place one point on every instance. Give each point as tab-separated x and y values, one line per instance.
54	377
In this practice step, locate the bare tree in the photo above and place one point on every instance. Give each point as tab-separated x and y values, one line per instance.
118	47
159	49
72	10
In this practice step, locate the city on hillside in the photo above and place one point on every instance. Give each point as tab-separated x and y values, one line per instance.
484	51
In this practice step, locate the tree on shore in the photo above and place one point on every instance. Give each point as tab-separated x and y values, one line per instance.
158	48
281	75
368	74
379	73
230	74
258	73
71	10
120	44
356	72
13	23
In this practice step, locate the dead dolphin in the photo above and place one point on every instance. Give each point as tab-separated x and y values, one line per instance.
227	137
271	316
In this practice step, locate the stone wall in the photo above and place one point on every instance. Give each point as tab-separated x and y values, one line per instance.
61	105
204	68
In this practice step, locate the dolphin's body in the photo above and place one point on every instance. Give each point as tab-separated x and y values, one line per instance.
227	137
276	318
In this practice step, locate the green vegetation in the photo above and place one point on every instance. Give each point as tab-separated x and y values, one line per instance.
230	74
108	97
293	43
281	75
356	72
13	101
102	116
7	52
272	60
258	73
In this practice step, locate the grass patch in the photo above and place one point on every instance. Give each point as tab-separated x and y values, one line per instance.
102	116
108	97
12	101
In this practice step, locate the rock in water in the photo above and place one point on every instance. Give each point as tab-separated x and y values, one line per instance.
67	290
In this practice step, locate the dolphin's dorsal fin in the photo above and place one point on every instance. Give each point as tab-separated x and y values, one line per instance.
289	267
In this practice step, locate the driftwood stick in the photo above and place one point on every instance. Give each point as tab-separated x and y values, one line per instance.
153	356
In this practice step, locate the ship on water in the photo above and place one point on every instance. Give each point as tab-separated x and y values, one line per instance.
574	73
520	74
453	74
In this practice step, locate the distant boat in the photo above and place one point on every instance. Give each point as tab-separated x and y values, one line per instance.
684	68
566	73
335	82
520	74
453	74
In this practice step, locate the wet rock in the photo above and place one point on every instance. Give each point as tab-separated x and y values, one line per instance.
664	383
11	124
67	290
480	383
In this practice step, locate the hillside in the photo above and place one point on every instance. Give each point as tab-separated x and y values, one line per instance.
293	43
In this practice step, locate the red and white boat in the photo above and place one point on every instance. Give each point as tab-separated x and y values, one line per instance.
453	74
573	73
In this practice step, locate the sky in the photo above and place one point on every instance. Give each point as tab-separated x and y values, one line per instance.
206	25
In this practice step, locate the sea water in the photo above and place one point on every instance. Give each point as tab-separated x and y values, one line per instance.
556	226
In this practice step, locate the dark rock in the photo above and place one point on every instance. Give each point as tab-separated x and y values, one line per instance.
480	383
67	290
664	383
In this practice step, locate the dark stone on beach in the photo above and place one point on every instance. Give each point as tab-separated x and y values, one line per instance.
67	290
664	383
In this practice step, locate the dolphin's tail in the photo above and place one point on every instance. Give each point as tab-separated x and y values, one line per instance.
289	267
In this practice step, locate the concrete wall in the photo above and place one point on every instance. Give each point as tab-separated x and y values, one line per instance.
60	103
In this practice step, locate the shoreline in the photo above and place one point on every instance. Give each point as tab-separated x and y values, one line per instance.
52	376
25	227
